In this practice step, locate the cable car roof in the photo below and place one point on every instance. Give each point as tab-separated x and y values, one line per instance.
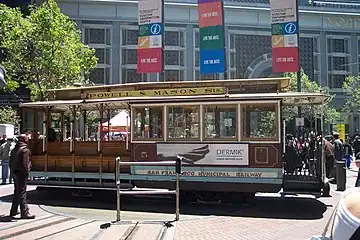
288	98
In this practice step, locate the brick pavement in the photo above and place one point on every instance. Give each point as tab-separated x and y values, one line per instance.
250	228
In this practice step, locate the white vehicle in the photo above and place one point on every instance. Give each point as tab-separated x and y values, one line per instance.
8	130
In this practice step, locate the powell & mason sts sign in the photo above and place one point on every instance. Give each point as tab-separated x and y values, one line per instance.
157	93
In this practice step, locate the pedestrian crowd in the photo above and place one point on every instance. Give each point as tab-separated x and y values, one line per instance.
302	154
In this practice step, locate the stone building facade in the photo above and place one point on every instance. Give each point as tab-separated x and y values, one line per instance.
329	44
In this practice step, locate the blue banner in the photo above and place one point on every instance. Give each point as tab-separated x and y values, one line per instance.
212	61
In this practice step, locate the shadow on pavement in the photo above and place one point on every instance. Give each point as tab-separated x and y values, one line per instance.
263	207
286	208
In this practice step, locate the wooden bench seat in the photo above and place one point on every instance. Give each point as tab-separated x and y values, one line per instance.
59	148
82	163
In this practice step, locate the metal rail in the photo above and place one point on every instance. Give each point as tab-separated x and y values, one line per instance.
176	192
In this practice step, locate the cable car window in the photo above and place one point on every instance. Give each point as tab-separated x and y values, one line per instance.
183	122
220	121
147	123
260	121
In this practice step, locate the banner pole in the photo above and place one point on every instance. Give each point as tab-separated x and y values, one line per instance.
298	75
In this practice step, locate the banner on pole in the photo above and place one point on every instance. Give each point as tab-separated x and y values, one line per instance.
150	40
285	35
211	27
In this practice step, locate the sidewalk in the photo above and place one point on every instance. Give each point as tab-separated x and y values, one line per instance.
351	175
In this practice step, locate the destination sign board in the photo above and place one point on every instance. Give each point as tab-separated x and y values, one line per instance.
157	93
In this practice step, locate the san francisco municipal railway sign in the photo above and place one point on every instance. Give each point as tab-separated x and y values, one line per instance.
219	174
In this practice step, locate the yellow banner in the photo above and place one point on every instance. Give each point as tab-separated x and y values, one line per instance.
341	129
158	93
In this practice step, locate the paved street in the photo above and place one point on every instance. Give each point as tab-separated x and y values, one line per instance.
292	217
61	215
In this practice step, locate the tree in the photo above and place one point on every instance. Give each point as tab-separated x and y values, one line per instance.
45	50
309	112
352	90
9	115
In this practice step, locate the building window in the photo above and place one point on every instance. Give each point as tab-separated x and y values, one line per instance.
197	75
174	55
338	59
129	38
99	38
247	49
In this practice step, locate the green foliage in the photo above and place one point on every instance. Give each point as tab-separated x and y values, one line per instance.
266	121
45	49
310	112
9	116
352	90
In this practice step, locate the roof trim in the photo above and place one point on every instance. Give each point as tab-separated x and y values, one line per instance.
289	98
210	82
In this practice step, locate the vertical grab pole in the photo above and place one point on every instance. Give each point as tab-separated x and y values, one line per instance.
178	172
284	137
323	167
127	132
117	178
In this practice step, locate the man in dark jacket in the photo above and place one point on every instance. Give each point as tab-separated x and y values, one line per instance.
20	163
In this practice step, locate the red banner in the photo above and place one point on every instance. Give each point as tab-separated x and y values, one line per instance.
210	14
285	59
149	60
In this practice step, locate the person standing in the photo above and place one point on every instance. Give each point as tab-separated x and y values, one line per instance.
338	151
357	161
356	144
348	153
5	150
20	164
329	158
